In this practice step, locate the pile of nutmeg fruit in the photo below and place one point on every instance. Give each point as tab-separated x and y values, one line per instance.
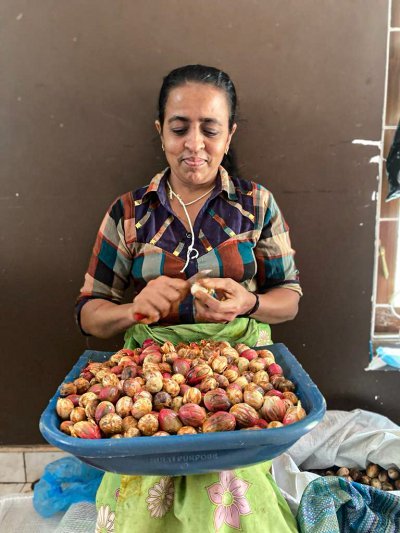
373	475
178	390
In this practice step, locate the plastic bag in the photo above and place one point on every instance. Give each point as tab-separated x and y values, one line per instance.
64	482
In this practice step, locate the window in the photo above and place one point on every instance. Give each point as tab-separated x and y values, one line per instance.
385	329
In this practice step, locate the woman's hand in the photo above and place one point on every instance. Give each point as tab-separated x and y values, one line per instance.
232	300
104	319
276	305
158	298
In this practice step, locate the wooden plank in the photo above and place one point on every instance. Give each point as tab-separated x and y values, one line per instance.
386	321
388	239
395	22
393	95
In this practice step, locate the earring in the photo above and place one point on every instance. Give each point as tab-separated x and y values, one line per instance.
162	147
226	151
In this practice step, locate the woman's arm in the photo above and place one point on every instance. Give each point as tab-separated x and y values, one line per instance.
277	305
105	319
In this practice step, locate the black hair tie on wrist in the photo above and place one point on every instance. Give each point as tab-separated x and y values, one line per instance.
253	309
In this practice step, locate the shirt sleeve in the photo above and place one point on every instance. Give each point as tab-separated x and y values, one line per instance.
274	253
108	274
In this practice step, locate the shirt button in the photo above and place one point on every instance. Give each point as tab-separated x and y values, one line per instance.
188	235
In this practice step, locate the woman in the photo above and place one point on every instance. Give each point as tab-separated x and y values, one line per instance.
193	216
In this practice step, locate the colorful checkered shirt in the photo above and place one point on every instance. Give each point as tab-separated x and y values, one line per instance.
239	233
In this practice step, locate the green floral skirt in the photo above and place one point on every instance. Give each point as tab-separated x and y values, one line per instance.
244	499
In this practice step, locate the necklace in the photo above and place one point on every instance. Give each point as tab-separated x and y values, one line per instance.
191	253
172	193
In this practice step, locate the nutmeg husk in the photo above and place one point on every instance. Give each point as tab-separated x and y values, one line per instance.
82	385
131	432
148	424
262	378
192	414
383	476
219	364
246	416
123	406
102	409
110	424
64	408
372	470
90	409
129	422
68	388
162	400
253	398
376	483
221	380
273	409
66	426
219	421
177	403
141	407
108	394
294	414
234	393
86	429
187	430
355	474
208	383
275	424
393	474
192	395
154	382
169	421
217	400
172	385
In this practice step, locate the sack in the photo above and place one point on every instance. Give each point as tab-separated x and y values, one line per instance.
64	482
342	438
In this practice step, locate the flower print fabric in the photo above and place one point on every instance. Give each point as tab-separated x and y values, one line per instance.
105	520
229	497
161	497
244	499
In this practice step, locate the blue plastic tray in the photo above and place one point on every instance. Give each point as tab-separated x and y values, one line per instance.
189	454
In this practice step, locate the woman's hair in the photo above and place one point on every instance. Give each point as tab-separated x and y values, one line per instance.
208	75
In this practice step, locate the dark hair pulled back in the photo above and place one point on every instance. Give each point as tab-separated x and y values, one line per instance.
207	75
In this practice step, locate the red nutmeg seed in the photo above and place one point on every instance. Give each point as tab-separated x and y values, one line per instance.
274	392
169	421
148	342
274	369
249	354
192	414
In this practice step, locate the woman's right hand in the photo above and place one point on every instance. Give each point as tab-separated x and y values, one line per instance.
157	299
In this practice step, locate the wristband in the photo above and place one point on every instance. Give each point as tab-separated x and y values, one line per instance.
253	309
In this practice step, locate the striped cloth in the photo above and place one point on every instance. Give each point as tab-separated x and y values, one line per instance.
333	505
240	233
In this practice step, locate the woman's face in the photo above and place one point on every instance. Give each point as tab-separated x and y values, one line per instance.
195	133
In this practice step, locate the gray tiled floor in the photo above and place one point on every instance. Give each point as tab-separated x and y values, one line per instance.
14	488
19	466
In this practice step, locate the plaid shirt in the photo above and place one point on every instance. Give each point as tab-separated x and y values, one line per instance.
239	233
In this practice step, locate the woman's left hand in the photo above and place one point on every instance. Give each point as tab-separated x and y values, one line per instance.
232	300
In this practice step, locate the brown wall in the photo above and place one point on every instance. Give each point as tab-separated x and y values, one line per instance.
78	93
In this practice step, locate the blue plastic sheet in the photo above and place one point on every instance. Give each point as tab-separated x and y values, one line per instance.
64	482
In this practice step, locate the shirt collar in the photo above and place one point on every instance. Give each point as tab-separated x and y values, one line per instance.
224	183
